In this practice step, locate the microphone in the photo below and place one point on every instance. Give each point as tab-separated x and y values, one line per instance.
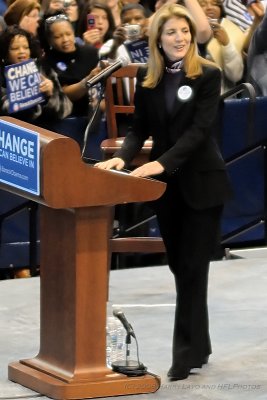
128	367
128	327
106	72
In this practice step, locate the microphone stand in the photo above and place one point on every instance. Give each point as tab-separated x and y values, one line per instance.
127	366
127	341
92	120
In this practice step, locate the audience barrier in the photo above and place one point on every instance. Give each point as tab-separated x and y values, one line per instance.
19	245
19	219
242	139
75	128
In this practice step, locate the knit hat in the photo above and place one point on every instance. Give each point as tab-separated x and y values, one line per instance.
18	9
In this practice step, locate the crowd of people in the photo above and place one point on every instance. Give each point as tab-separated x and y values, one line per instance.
193	52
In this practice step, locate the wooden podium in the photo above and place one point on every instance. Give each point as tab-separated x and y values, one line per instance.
76	203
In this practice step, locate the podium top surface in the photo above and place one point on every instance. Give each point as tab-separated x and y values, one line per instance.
66	181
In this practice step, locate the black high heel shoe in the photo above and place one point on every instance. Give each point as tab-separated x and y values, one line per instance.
201	363
178	374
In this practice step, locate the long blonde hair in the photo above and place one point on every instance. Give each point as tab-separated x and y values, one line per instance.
192	61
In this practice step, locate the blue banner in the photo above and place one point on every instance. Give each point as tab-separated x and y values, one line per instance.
22	84
19	157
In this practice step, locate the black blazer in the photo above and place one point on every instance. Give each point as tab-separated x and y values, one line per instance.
183	140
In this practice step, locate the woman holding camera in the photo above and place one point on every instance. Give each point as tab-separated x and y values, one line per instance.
176	101
225	48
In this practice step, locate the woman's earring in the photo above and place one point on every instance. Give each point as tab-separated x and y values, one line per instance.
159	46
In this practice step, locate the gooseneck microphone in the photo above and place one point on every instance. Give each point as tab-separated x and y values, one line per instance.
106	72
127	326
127	366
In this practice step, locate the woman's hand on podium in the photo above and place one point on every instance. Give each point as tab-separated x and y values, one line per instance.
114	163
148	169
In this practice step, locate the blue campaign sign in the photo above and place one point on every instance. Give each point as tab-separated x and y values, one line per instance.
138	50
22	84
19	157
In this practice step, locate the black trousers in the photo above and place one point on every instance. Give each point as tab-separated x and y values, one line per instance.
190	237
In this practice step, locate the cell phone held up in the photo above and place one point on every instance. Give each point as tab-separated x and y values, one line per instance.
90	22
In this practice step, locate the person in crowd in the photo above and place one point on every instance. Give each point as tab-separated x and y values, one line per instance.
237	12
96	24
75	64
176	101
257	58
71	8
225	48
25	13
115	7
16	46
50	7
132	15
256	8
143	3
72	61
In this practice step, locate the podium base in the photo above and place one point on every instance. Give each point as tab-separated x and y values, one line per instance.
112	384
129	368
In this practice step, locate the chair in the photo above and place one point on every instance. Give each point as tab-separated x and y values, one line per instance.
119	94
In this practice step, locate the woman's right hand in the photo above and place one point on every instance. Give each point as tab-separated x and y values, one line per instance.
114	163
220	34
92	36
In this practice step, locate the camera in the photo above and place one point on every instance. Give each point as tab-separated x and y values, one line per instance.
213	22
132	31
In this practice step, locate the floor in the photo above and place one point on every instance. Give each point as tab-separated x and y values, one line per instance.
238	324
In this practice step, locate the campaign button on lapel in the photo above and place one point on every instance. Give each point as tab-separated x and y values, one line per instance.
184	93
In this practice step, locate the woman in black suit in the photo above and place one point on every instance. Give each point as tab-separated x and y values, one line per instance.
176	102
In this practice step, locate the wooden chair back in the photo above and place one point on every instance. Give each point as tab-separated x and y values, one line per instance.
120	88
119	95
